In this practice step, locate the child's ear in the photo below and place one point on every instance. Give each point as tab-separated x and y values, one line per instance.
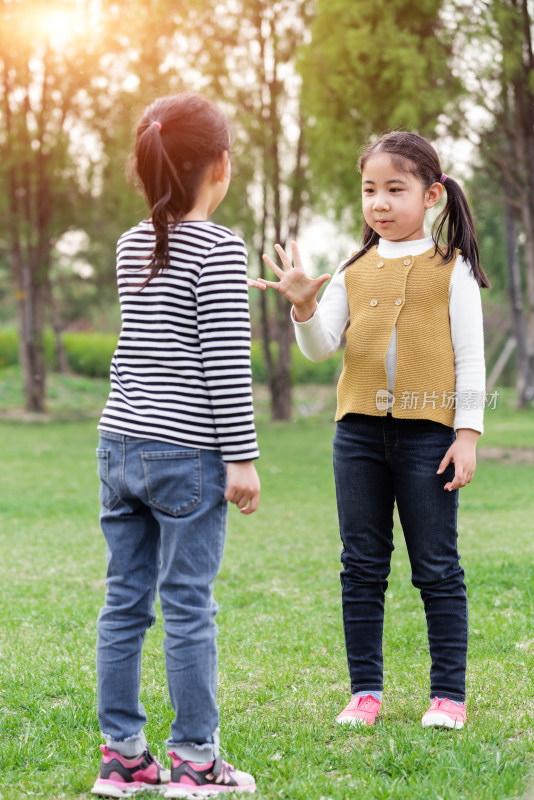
434	194
220	167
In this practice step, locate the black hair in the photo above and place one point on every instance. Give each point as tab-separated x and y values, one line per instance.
177	139
454	228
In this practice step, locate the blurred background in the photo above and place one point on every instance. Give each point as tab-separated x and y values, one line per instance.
305	84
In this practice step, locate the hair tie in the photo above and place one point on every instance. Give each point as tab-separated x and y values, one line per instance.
443	178
157	124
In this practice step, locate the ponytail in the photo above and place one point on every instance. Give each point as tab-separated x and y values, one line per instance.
177	140
456	221
454	228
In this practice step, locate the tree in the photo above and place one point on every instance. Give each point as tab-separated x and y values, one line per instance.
45	76
67	102
251	48
501	84
370	66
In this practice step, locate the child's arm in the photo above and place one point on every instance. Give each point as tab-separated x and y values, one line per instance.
242	485
463	454
294	284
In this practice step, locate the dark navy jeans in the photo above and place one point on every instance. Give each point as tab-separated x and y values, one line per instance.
379	461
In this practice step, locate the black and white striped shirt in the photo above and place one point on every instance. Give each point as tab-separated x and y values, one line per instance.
181	372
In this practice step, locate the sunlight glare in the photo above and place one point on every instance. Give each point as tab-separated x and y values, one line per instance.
61	22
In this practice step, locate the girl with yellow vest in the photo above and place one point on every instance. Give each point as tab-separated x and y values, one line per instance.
410	407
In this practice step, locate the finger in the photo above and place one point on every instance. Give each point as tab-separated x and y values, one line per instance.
456	483
256	284
446	460
253	505
271	284
323	278
284	258
296	255
272	266
229	494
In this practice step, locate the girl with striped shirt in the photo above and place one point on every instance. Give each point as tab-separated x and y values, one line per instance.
177	443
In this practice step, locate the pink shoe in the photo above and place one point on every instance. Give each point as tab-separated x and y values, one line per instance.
444	714
123	777
206	780
360	711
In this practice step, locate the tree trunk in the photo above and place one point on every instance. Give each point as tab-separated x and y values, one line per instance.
62	362
525	376
31	311
524	119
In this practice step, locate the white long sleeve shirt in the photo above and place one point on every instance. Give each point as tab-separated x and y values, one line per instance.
319	337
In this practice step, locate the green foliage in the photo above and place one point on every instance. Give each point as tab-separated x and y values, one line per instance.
9	347
487	205
303	370
370	67
322	372
87	353
90	353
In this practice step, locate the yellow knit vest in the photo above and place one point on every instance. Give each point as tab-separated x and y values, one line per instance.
413	294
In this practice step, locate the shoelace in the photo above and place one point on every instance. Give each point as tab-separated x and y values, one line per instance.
221	771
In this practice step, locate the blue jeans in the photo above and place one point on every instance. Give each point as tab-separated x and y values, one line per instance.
163	515
377	461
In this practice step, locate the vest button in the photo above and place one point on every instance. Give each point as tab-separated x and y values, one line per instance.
398	301
407	262
373	303
380	264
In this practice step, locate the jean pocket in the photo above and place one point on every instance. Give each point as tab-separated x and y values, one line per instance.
108	496
173	480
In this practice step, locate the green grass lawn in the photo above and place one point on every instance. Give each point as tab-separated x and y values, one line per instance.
283	675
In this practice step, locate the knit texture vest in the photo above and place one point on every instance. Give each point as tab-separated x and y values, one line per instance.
412	293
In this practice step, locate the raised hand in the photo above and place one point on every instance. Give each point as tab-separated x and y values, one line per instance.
293	283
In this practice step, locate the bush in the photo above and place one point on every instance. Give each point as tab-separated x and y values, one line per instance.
9	347
89	353
258	362
302	369
305	371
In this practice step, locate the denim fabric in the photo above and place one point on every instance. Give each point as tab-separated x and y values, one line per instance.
163	515
379	461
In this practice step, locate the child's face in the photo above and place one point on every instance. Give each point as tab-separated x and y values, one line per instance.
395	202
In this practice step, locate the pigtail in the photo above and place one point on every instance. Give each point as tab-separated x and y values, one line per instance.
456	229
369	239
161	184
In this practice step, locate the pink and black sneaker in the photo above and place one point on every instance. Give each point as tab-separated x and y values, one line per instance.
206	780
122	777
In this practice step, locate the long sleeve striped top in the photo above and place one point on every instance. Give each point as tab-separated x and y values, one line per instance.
181	371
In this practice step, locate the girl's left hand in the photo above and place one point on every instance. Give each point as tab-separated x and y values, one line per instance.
242	486
463	454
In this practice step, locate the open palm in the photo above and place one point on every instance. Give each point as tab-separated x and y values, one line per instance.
294	283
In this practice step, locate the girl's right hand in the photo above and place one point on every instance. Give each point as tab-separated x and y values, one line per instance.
294	284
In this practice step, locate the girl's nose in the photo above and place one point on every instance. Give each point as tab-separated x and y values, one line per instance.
380	203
